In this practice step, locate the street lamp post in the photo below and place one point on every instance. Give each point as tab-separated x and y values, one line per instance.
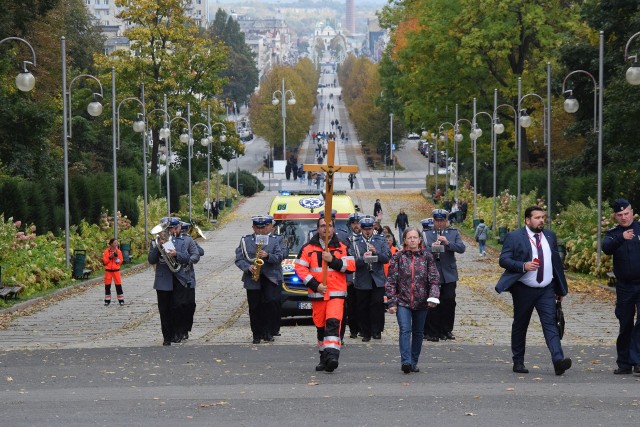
138	127
524	121
291	101
207	143
94	109
444	137
476	133
24	80
457	139
498	129
393	160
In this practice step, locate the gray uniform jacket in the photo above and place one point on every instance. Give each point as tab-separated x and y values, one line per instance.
164	276
368	276
193	248
272	268
446	261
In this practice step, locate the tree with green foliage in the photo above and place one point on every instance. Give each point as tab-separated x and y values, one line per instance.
241	72
266	118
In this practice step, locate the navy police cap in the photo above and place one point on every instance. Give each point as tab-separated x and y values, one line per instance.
354	217
427	223
333	213
620	204
171	221
367	221
440	214
261	220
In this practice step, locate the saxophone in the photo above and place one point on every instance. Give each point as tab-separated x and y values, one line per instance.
171	262
257	262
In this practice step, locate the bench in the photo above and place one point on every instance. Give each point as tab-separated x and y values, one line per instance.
85	274
612	278
7	292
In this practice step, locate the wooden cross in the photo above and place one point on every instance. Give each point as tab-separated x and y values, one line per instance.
330	168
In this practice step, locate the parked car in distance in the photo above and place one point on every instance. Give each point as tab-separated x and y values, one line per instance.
413	135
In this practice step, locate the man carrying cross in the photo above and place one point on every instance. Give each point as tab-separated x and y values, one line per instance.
322	264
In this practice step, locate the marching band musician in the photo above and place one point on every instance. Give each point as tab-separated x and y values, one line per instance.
189	305
327	299
170	285
371	253
262	295
443	243
352	309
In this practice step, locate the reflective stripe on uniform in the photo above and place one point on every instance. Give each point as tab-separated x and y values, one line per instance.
302	262
307	279
315	295
332	342
344	262
336	294
319	269
321	345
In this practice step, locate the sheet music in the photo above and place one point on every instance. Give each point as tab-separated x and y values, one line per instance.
168	246
262	239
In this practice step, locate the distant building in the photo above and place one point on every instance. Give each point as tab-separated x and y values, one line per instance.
105	14
270	39
376	40
351	16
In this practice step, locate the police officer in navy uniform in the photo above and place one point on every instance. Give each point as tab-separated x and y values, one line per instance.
171	286
443	242
369	278
623	242
190	297
275	325
352	309
262	295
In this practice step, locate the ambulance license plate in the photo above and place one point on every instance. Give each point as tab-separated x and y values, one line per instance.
304	305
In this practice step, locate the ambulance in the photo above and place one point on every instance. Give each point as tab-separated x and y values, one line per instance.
296	214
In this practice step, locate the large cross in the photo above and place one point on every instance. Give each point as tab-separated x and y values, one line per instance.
330	168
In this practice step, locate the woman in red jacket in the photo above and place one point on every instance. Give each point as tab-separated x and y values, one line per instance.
112	258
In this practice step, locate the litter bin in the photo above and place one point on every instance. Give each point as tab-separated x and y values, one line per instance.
241	189
79	260
562	251
475	224
220	205
502	233
228	202
459	217
126	252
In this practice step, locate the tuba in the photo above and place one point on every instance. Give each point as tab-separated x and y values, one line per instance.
162	236
261	241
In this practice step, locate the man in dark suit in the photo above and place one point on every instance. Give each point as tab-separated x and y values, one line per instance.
535	277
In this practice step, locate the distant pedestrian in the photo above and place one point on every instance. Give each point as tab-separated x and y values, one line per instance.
377	209
352	179
402	222
309	178
481	235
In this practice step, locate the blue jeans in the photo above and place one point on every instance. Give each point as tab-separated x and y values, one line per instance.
481	244
411	325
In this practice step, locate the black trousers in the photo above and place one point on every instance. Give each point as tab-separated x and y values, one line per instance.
441	319
370	303
182	319
164	307
352	310
264	314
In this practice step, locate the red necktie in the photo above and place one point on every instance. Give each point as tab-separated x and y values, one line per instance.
540	273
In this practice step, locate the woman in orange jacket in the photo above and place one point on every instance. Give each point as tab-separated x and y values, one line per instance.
112	259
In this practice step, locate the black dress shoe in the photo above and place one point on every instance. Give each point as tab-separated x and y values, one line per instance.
176	340
431	338
185	336
622	371
562	365
353	335
332	364
268	338
406	368
166	343
414	368
636	369
276	334
448	336
376	336
366	339
519	368
256	341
